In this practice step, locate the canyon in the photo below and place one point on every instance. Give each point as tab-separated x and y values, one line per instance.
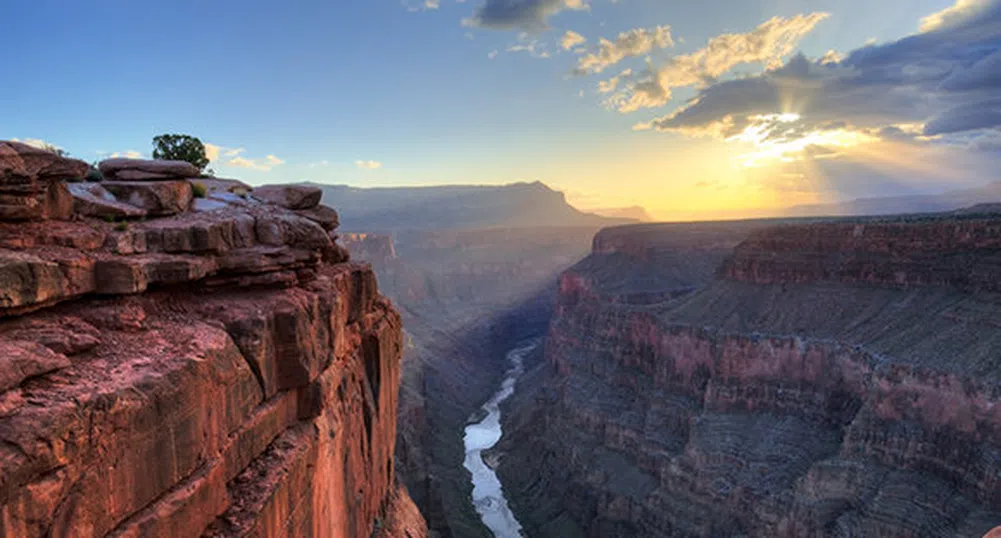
189	362
466	297
803	378
186	356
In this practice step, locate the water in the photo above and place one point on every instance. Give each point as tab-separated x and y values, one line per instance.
488	497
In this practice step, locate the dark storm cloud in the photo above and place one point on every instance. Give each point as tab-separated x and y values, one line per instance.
947	77
522	14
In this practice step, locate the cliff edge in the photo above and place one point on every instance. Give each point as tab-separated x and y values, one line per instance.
188	358
818	379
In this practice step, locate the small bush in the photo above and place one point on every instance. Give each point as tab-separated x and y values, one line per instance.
94	175
199	189
121	227
109	218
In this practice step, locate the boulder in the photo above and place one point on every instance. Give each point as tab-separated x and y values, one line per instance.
93	200
324	216
157	198
145	170
289	196
20	360
23	164
30	182
36	202
215	184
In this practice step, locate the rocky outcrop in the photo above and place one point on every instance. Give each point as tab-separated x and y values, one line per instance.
214	373
834	379
32	182
146	170
290	196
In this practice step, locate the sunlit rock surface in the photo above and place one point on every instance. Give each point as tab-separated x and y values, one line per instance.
218	372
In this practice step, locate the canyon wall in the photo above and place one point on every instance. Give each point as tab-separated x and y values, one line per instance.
220	369
467	297
821	379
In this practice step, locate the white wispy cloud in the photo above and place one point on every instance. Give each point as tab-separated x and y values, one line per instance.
571	39
368	165
635	42
767	44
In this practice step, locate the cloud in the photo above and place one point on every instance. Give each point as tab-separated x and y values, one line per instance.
36	143
768	44
529	15
609	86
635	42
571	39
368	165
262	165
959	14
228	156
532	47
945	79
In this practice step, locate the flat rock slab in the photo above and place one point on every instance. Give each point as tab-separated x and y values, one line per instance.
324	216
93	200
21	163
136	169
155	197
289	196
20	360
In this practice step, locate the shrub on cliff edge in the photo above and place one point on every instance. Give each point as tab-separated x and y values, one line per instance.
180	147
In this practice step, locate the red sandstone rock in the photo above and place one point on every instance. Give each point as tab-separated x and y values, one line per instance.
289	196
157	198
322	215
141	169
253	392
808	391
20	360
22	164
93	200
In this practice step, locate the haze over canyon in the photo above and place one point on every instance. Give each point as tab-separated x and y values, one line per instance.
500	269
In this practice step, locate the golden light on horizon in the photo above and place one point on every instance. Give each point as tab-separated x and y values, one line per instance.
768	149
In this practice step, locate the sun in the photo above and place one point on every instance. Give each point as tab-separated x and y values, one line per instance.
785	138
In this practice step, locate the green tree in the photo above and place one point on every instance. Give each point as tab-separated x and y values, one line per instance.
178	147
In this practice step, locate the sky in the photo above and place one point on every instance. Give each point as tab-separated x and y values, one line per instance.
692	109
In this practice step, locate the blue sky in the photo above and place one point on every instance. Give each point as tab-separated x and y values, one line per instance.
375	93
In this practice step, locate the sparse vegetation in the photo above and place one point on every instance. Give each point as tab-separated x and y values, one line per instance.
121	227
94	175
180	147
199	189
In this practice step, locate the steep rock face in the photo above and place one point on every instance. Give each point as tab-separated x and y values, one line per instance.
467	297
215	373
837	379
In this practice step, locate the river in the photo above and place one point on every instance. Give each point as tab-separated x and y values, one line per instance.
488	496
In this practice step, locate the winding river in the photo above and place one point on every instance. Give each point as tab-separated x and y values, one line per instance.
488	496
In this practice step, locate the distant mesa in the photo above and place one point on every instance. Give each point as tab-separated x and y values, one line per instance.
518	205
636	213
918	203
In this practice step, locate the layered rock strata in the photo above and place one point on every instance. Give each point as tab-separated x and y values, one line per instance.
223	371
835	379
466	296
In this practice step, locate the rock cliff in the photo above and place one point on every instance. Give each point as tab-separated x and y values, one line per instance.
467	297
222	369
820	379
